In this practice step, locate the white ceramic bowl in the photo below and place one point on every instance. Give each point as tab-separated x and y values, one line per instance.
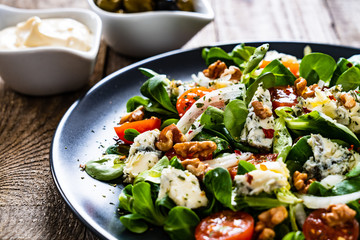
48	70
149	33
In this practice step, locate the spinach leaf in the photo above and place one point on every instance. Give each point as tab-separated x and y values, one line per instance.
148	72
135	102
107	168
218	183
341	66
134	222
212	118
354	172
283	75
126	199
242	53
350	79
298	155
235	114
317	66
347	186
143	204
130	134
260	202
245	167
168	122
256	58
154	89
181	223
119	149
211	55
268	80
316	122
317	189
282	139
176	163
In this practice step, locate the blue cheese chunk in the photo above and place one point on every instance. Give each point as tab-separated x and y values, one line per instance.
182	187
142	155
258	181
253	131
329	158
139	162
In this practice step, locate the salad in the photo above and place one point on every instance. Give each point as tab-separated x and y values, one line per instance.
259	145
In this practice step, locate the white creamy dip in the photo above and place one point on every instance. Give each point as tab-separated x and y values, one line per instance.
36	32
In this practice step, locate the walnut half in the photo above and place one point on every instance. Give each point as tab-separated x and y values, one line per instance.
268	220
136	115
260	110
201	150
301	181
338	214
168	136
215	69
347	100
195	166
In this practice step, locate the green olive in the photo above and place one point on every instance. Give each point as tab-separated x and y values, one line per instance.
109	5
132	6
185	5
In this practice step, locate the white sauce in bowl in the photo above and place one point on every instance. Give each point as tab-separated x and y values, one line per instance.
55	32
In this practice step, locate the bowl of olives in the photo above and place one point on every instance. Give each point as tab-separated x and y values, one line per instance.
142	28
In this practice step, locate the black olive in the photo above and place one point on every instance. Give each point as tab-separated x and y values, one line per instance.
166	5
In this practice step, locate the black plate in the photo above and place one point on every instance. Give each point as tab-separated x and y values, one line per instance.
87	129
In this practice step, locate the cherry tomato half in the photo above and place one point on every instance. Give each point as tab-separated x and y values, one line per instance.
316	228
226	225
140	126
188	98
291	64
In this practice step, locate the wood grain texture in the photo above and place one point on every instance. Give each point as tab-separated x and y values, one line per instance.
30	205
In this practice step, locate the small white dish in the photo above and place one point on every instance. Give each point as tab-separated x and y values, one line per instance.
148	33
48	70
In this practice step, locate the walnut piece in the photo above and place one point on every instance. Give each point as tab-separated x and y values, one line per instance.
201	150
347	100
235	73
215	69
136	115
195	166
268	220
260	110
168	136
266	234
338	214
302	90
301	181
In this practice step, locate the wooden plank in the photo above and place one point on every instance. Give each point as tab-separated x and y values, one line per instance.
346	18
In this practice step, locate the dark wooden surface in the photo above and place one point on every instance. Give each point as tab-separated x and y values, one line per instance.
30	205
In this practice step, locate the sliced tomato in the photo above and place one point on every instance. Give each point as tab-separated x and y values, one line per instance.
140	126
226	225
316	228
188	98
283	96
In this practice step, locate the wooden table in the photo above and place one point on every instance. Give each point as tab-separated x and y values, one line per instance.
30	205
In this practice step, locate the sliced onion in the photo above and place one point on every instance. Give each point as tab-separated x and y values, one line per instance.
227	161
315	202
192	132
215	98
